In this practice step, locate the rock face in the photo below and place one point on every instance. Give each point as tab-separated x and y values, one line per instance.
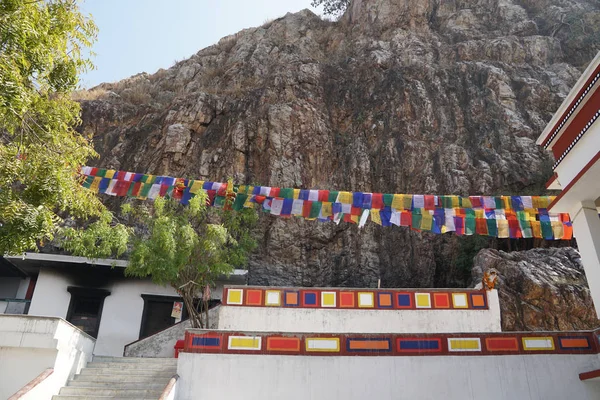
540	289
399	96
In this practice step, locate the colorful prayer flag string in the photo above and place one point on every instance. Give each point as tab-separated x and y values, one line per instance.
496	216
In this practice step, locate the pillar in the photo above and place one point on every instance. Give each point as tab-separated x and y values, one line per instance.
586	229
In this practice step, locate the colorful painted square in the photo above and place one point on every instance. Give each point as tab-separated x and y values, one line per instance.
235	296
464	344
384	300
479	300
423	300
253	297
310	299
328	299
366	300
404	300
459	300
347	299
574	343
368	345
252	343
502	344
329	345
206	342
409	345
273	298
541	343
288	344
441	300
291	299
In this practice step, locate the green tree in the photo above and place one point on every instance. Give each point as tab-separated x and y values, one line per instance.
41	45
189	247
331	7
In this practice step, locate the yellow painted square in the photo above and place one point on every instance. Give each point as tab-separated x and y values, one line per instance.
423	300
241	343
272	297
328	299
464	344
366	300
234	296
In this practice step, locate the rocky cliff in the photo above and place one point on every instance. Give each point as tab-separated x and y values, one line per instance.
402	96
540	289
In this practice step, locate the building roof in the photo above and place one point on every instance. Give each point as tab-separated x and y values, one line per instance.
575	100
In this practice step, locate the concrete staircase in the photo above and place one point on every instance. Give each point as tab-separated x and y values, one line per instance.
129	378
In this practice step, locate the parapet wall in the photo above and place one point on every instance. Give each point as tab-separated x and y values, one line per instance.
358	310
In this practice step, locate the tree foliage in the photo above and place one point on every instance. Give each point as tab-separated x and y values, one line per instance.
331	7
189	247
41	44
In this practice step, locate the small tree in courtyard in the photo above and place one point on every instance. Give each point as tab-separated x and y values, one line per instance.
189	247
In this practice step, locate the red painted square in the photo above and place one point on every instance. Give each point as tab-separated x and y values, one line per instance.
441	300
502	344
283	344
347	299
254	297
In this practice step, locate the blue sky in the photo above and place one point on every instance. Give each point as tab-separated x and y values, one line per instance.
145	35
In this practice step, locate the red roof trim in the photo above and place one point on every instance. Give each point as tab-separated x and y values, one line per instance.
589	375
579	95
574	180
551	180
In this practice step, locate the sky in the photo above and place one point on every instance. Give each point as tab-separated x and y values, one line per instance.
146	35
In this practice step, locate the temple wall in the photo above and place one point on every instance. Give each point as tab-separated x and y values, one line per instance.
523	377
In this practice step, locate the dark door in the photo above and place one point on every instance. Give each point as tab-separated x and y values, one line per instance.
157	314
85	309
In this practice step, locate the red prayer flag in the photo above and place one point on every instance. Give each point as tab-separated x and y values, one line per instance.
356	211
377	201
306	207
429	202
323	195
405	218
274	192
136	188
481	227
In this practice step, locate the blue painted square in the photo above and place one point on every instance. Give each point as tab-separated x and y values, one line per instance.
418	345
404	300
206	342
310	299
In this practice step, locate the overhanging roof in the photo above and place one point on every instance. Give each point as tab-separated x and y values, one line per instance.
66	259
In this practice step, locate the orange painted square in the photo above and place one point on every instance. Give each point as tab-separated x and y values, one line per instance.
385	300
478	300
291	298
254	297
347	299
441	300
567	343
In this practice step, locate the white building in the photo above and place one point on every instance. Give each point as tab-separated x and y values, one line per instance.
573	136
94	296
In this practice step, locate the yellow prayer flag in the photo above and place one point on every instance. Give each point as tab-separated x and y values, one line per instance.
196	187
455	202
507	202
398	202
426	221
502	228
558	229
407	199
536	228
376	217
345	198
110	173
296	193
95	184
326	209
466	202
479	213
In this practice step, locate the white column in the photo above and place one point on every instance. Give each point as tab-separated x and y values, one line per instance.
586	229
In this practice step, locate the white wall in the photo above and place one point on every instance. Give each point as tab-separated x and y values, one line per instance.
122	314
50	297
521	377
317	320
29	345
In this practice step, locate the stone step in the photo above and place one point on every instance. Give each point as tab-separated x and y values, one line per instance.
135	360
129	393
86	397
117	378
118	385
127	365
167	372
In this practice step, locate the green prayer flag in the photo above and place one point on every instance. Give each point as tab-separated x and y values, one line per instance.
333	195
499	203
492	227
286	193
416	219
101	172
447	202
387	199
219	201
240	199
88	182
315	209
469	223
547	229
145	190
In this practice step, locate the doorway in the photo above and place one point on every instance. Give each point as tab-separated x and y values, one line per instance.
85	308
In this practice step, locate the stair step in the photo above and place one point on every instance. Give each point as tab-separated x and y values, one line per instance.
131	365
118	385
129	393
135	360
86	397
167	372
116	378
